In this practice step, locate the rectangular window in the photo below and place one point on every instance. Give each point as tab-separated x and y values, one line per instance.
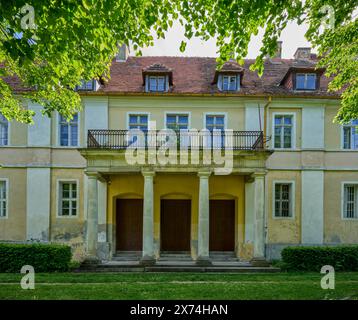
86	85
283	200
3	199
68	199
306	81
138	121
177	121
217	123
69	131
350	135
156	83
229	83
4	131
350	210
283	131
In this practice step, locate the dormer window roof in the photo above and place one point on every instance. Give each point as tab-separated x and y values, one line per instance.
302	78
229	77
157	78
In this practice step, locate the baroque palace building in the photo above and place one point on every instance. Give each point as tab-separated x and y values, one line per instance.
292	179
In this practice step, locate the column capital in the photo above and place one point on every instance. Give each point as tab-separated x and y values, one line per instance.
148	173
259	175
95	175
204	174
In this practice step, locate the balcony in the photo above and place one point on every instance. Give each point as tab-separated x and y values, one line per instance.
122	139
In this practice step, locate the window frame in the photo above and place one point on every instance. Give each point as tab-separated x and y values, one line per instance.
165	77
7	186
137	113
94	85
350	125
58	131
8	134
293	197
224	114
293	135
177	113
343	185
306	74
59	198
221	81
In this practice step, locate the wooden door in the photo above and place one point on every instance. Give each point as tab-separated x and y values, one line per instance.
175	221
129	224
222	225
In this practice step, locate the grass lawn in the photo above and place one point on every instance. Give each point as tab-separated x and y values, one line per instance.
179	286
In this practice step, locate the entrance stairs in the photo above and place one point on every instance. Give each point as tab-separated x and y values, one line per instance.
130	261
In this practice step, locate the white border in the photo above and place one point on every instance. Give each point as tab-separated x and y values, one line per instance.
293	114
214	114
342	140
7	190
145	113
343	183
58	181
57	138
293	196
8	134
188	113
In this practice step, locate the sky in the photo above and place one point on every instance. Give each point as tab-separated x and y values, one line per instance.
292	37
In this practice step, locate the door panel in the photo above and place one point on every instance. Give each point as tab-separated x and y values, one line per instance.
129	224
175	221
222	225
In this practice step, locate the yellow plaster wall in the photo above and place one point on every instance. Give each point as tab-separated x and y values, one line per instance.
298	115
333	131
336	229
120	106
283	230
179	186
14	226
18	134
68	229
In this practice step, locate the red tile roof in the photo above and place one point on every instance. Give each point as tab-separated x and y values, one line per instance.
194	75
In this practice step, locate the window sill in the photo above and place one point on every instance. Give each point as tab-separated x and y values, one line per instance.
67	217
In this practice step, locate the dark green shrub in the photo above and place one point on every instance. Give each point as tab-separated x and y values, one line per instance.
342	258
43	257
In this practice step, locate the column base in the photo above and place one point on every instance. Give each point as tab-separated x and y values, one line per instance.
203	261
91	260
147	261
259	262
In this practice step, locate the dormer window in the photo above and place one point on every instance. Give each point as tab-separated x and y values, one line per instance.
229	77
306	81
157	83
157	78
229	83
90	85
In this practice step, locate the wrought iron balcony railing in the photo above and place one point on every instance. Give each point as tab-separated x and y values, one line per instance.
122	139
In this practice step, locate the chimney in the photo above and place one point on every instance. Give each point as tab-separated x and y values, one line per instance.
123	53
278	53
303	54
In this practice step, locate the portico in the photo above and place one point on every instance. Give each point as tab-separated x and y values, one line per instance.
143	195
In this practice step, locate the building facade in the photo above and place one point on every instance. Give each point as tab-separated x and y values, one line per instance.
292	178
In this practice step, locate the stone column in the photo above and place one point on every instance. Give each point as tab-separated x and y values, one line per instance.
203	227
148	219
92	217
259	220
